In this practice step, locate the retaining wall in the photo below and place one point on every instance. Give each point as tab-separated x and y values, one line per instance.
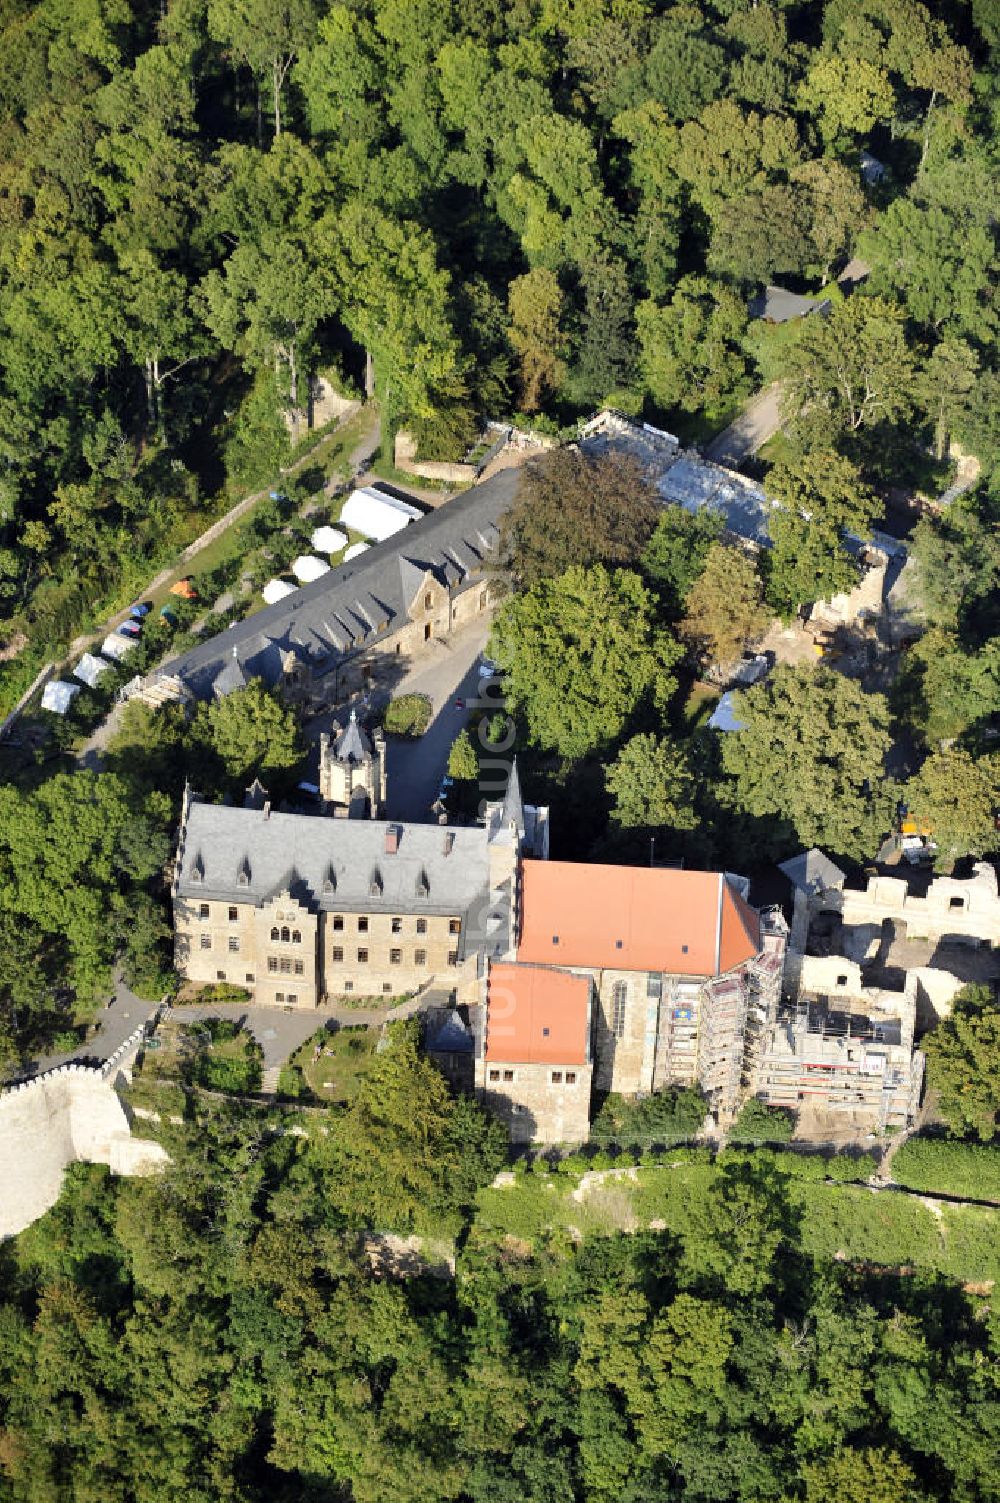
70	1114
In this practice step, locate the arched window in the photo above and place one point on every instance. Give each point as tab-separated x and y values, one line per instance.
619	996
274	934
296	937
284	935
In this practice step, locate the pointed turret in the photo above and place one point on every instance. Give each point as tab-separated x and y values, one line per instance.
513	804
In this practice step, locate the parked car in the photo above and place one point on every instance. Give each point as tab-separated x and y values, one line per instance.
138	612
130	629
488	669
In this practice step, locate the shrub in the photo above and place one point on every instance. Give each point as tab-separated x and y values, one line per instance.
759	1123
662	1117
970	1171
408	715
217	993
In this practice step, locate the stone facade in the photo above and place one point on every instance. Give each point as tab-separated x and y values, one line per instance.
952	909
538	1103
298	908
57	1119
352	771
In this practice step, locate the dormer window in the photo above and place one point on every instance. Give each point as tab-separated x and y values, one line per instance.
375	884
423	884
243	875
428	600
197	869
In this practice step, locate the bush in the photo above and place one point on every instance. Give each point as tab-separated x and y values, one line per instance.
216	993
970	1171
759	1123
665	1116
408	715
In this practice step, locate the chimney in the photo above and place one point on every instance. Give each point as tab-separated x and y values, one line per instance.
449	842
391	839
266	811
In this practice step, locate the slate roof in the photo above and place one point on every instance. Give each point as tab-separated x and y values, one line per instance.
812	871
779	306
513	804
236	855
696	484
361	600
352	745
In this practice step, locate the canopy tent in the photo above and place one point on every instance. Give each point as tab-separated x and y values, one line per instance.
307	567
89	669
275	590
377	515
116	647
355	551
328	540
58	696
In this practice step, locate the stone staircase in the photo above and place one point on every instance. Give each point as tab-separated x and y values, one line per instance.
269	1080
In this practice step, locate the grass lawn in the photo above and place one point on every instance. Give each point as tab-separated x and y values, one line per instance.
331	1065
699	707
332	456
838	1221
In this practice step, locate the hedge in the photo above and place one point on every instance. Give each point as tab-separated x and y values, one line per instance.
936	1166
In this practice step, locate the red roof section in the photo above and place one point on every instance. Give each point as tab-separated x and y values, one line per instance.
635	918
537	1016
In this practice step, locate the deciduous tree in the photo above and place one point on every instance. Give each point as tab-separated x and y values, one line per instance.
959	795
725	610
811	754
652	785
963	1063
575	507
579	653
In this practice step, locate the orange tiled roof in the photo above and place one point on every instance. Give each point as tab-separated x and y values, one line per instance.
634	917
536	1015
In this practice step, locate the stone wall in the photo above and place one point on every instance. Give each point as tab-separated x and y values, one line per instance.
952	909
71	1114
537	1103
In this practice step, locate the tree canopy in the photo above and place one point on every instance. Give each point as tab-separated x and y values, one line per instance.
573	507
963	1063
809	760
579	653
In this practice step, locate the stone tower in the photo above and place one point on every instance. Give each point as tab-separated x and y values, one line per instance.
352	771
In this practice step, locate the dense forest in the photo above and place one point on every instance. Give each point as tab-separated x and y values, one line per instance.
529	207
217	1333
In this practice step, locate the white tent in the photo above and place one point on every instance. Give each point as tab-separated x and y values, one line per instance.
306	568
275	590
355	551
89	669
116	647
328	540
377	515
58	696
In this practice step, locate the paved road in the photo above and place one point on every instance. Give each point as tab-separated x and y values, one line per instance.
415	768
115	1022
759	421
445	671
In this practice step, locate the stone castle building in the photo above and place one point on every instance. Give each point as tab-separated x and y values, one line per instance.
358	625
352	771
674	970
298	908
